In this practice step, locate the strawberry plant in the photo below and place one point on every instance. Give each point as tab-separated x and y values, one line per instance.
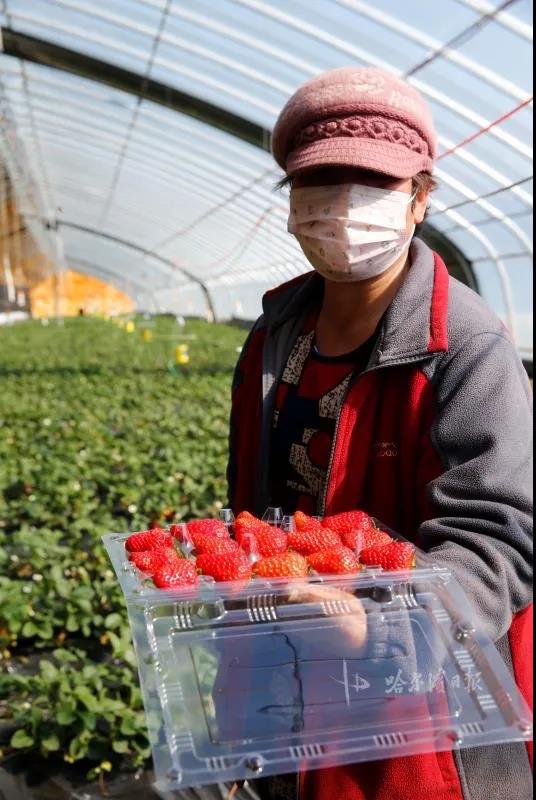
100	431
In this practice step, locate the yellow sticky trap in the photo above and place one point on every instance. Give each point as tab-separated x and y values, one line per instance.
130	327
147	335
182	354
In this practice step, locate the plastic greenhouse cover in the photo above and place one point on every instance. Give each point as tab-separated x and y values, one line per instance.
271	678
88	144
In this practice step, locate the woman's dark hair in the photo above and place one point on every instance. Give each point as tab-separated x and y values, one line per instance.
423	182
286	180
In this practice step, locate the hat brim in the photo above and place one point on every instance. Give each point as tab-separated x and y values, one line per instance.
387	158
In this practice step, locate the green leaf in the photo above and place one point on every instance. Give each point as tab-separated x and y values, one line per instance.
45	630
21	740
48	670
78	746
120	746
84	605
86	698
143	749
114	706
113	621
72	623
29	630
129	726
89	719
36	716
89	672
64	656
51	743
65	714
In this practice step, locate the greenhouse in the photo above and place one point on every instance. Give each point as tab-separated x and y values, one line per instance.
145	190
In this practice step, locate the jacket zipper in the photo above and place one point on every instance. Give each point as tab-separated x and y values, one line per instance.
350	386
322	509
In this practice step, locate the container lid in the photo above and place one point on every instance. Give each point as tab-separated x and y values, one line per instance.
275	677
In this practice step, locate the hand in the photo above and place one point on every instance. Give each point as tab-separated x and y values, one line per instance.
351	616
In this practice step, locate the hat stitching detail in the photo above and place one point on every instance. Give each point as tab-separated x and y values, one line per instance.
360	127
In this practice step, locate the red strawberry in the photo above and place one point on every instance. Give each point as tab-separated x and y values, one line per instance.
247	524
245	515
334	562
176	574
149	561
199	532
245	519
233	566
305	523
178	532
148	540
313	541
208	527
265	542
348	521
365	538
396	555
289	565
211	544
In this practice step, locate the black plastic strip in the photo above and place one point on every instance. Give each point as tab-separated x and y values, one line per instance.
39	51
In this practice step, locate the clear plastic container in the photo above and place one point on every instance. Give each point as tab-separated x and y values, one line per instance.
276	677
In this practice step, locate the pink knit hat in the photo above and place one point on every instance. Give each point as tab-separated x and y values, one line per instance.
356	117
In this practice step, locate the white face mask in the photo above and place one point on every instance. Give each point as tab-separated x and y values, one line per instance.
350	232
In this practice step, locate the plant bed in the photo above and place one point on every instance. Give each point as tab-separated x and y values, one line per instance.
49	783
96	434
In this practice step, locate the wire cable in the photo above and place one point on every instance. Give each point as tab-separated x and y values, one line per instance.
483	197
460	38
487	128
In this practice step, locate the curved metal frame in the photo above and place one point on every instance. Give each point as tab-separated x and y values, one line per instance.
494	257
503	18
147	253
259	136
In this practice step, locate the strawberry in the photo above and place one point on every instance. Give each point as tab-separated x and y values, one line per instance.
396	555
178	532
305	524
265	542
245	520
200	532
232	566
365	538
148	540
247	524
211	544
176	574
245	516
208	527
310	542
288	565
349	521
149	561
337	561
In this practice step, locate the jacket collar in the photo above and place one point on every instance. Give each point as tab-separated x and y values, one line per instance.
415	324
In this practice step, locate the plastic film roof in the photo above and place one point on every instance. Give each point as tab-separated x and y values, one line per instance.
181	214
